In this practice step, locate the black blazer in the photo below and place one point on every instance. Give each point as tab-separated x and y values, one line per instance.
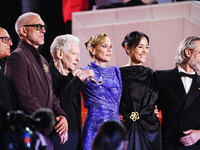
7	103
180	111
7	100
67	89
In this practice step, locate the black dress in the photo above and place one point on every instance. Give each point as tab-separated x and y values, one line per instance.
67	89
139	96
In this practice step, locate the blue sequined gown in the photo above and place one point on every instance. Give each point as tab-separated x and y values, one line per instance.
102	101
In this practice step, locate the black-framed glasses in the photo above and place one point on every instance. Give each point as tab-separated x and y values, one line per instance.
6	39
37	27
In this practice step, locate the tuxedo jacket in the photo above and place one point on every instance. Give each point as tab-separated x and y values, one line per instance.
31	83
180	111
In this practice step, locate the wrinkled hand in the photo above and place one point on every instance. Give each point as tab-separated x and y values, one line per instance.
63	137
192	136
156	112
62	125
84	74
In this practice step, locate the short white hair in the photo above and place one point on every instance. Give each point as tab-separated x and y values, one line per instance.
23	20
63	42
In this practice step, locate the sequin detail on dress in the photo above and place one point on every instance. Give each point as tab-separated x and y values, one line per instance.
102	101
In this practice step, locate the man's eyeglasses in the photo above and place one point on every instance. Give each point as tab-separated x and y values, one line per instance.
6	39
37	27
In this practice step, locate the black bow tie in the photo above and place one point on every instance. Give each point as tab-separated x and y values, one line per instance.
182	74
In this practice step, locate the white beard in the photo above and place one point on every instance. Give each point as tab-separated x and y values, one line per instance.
194	63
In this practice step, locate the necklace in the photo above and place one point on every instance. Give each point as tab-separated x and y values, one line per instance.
93	81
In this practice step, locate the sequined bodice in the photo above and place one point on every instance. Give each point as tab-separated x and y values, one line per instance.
102	101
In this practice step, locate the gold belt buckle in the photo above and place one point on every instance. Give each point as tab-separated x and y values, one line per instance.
134	116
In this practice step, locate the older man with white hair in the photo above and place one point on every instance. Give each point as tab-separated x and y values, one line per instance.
65	52
179	97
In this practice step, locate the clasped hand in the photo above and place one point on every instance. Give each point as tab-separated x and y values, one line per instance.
62	128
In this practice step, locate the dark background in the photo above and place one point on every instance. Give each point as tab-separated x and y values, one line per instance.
50	12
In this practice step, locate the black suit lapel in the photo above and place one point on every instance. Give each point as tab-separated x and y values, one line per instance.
1	71
176	84
193	93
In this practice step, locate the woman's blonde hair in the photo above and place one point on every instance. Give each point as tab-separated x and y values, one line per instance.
95	40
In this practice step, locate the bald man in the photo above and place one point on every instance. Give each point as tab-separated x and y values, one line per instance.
7	102
28	73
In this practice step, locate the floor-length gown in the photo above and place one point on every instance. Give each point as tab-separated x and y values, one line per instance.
101	100
138	99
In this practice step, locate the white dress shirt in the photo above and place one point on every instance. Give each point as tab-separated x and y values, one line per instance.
186	80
